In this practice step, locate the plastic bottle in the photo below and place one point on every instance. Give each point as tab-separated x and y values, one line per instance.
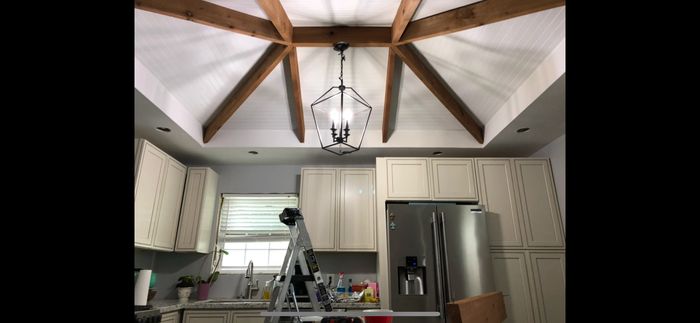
340	288
266	289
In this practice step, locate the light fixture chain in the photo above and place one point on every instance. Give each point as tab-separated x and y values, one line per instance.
342	58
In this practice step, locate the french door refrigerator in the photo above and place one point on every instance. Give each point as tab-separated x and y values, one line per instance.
438	253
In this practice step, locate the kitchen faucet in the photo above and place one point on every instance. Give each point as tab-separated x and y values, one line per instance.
249	286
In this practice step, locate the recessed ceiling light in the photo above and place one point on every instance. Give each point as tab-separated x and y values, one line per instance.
163	129
522	130
437	153
253	152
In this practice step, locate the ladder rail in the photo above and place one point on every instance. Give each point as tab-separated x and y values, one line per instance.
301	250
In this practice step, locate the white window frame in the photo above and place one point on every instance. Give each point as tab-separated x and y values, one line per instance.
223	238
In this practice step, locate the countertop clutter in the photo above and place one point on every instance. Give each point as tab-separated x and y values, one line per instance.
169	305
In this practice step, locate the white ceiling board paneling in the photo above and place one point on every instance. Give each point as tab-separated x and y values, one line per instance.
419	109
250	7
428	8
341	12
364	70
485	65
266	108
198	64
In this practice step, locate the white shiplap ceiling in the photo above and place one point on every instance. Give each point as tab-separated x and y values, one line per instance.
199	66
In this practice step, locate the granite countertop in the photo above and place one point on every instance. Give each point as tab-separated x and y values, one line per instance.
169	305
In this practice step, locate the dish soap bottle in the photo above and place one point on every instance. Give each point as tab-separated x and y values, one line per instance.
267	289
340	288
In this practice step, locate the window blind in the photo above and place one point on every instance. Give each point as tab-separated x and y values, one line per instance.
254	216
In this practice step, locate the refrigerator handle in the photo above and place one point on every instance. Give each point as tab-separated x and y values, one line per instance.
438	266
444	256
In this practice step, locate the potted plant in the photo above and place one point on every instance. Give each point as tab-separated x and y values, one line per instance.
185	285
204	285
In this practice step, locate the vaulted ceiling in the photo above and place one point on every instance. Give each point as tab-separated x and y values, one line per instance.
233	76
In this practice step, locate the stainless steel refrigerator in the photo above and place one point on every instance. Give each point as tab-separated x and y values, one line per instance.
438	253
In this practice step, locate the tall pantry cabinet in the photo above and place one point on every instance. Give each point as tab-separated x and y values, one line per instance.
526	236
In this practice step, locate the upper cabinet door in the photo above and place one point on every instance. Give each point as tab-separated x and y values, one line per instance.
150	173
171	199
453	179
407	179
191	208
498	195
357	220
539	205
198	211
318	206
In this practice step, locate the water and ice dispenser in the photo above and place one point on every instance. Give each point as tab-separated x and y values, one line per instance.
412	277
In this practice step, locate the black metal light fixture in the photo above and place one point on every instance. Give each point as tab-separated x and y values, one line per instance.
339	110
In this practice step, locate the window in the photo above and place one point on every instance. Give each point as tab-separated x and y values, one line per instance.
250	229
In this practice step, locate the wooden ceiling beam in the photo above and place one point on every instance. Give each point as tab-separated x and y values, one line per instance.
209	14
269	60
388	90
356	36
403	16
473	15
432	80
278	17
296	94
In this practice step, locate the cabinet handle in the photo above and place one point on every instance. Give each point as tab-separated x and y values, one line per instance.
438	265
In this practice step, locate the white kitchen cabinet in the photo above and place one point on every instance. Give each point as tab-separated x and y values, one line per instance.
222	316
318	205
498	194
407	179
356	218
338	205
207	316
158	190
247	318
533	284
171	317
446	179
539	206
198	211
511	276
453	179
548	271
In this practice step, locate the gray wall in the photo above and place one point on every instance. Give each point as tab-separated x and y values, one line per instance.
169	266
556	152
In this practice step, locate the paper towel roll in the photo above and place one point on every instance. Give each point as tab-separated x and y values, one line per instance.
141	288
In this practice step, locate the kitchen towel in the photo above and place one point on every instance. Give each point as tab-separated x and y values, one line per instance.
141	288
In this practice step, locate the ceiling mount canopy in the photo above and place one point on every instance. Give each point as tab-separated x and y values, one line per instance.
338	111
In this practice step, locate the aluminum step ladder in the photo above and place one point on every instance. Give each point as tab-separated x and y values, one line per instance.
299	249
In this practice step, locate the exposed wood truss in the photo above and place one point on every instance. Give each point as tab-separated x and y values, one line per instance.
398	37
403	16
388	90
296	94
356	36
473	15
273	55
432	80
279	18
274	10
210	14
